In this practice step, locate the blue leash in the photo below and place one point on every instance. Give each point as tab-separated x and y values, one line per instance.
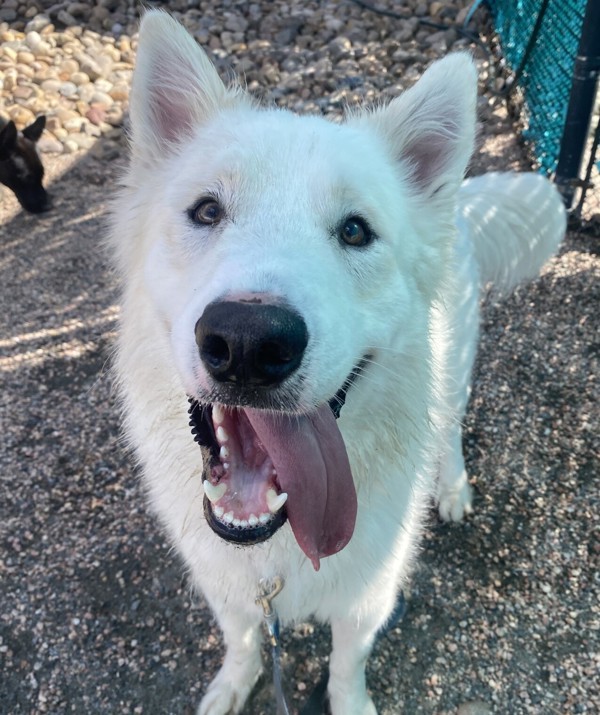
267	590
315	705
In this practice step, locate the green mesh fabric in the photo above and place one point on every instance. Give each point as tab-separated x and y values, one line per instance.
548	71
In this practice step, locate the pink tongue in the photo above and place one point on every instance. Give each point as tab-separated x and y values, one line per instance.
312	465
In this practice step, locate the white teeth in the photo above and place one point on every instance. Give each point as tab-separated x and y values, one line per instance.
264	518
225	466
252	520
219	511
222	436
212	491
244	524
275	501
218	413
228	518
223	452
237	522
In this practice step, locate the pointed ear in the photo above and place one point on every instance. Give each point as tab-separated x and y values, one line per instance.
430	128
175	87
34	131
8	140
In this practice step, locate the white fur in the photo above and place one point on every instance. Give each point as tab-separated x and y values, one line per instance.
410	299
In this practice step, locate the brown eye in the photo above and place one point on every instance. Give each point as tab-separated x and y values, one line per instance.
207	212
355	232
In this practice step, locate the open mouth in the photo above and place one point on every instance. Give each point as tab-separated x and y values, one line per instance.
263	468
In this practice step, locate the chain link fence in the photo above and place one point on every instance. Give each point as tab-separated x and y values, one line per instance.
552	49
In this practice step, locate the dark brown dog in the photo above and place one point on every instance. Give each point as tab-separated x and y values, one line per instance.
21	168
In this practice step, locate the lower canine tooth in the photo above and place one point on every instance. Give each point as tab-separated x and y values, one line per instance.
275	501
214	492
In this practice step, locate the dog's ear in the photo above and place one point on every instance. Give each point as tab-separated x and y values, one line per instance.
34	131
175	87
430	128
8	140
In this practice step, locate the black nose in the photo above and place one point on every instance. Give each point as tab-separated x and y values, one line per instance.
250	344
36	203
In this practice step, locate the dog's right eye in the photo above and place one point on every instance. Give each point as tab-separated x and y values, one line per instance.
207	212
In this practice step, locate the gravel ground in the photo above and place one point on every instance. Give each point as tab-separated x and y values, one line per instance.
97	616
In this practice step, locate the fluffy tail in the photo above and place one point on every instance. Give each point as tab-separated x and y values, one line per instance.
515	223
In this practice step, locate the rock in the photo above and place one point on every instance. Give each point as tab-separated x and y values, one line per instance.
65	18
68	89
25	71
101	98
8	15
289	31
78	9
67	68
120	92
10	53
38	23
339	47
235	23
70	146
53	123
477	707
10	79
103	85
25	57
75	125
114	116
21	116
96	114
51	85
83	141
23	92
79	78
41	48
49	144
85	92
406	29
89	65
64	114
105	151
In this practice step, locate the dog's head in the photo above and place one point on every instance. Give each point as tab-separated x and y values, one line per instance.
286	256
21	168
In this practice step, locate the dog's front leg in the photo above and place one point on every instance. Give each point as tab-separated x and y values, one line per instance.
347	687
241	667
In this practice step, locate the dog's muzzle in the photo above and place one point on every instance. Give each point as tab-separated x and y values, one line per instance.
264	463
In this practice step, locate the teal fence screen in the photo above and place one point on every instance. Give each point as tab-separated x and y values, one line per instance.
547	74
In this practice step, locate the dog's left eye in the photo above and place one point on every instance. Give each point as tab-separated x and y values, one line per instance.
207	212
355	232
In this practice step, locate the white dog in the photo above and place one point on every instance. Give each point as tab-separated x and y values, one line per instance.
274	268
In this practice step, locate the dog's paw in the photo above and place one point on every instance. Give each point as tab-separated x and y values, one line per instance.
455	501
229	691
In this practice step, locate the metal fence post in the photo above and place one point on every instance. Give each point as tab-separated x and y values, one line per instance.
581	102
